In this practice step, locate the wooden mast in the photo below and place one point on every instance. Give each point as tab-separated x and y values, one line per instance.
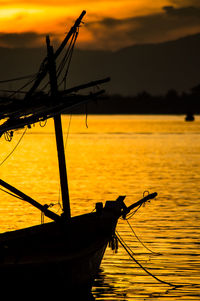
58	132
43	72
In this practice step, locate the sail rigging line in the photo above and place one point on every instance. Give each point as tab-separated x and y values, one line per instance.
63	62
21	88
68	57
12	194
12	91
69	124
16	78
14	147
65	57
44	66
130	253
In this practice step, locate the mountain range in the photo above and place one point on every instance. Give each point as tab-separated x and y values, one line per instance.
155	68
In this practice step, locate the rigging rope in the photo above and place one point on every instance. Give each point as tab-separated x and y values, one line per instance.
14	147
155	253
66	56
15	196
69	124
67	59
16	79
86	116
130	253
20	89
8	136
43	123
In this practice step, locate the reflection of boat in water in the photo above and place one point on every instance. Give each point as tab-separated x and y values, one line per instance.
68	249
189	117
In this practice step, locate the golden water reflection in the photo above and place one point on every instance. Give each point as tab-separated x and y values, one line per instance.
120	155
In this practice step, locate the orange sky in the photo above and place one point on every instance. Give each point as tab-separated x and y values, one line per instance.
110	23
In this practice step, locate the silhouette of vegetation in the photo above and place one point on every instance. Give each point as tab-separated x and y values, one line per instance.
144	103
185	103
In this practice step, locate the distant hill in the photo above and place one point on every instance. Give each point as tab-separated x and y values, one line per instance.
154	68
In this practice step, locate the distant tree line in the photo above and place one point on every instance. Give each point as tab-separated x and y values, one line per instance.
145	103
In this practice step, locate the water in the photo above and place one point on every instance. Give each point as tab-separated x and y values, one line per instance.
120	155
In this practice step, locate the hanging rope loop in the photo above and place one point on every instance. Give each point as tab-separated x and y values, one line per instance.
8	136
113	243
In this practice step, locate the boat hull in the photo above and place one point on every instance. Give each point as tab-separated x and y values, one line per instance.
68	253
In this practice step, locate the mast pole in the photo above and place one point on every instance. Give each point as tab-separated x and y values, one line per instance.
44	70
58	132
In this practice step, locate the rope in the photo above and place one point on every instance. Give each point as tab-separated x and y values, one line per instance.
69	124
70	58
43	123
128	216
43	214
125	243
67	58
130	253
15	196
155	253
13	91
14	147
16	79
20	89
8	136
86	116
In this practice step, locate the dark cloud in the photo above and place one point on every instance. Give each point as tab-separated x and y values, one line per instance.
172	23
20	40
189	11
182	3
23	40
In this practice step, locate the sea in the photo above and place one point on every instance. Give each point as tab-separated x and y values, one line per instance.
158	256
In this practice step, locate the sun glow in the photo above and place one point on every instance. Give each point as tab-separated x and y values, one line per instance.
112	20
37	19
36	15
13	12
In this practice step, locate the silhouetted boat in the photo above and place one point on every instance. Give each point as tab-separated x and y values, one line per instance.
189	117
69	249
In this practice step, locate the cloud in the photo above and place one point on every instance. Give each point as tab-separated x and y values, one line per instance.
48	3
111	33
21	40
172	23
182	3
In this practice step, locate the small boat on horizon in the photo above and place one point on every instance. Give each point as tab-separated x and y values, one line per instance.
189	117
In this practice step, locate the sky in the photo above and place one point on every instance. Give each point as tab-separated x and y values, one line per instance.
108	24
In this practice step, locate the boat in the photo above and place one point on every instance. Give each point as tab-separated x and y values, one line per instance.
189	117
67	249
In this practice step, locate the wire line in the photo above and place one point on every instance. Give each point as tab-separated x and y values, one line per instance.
14	147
